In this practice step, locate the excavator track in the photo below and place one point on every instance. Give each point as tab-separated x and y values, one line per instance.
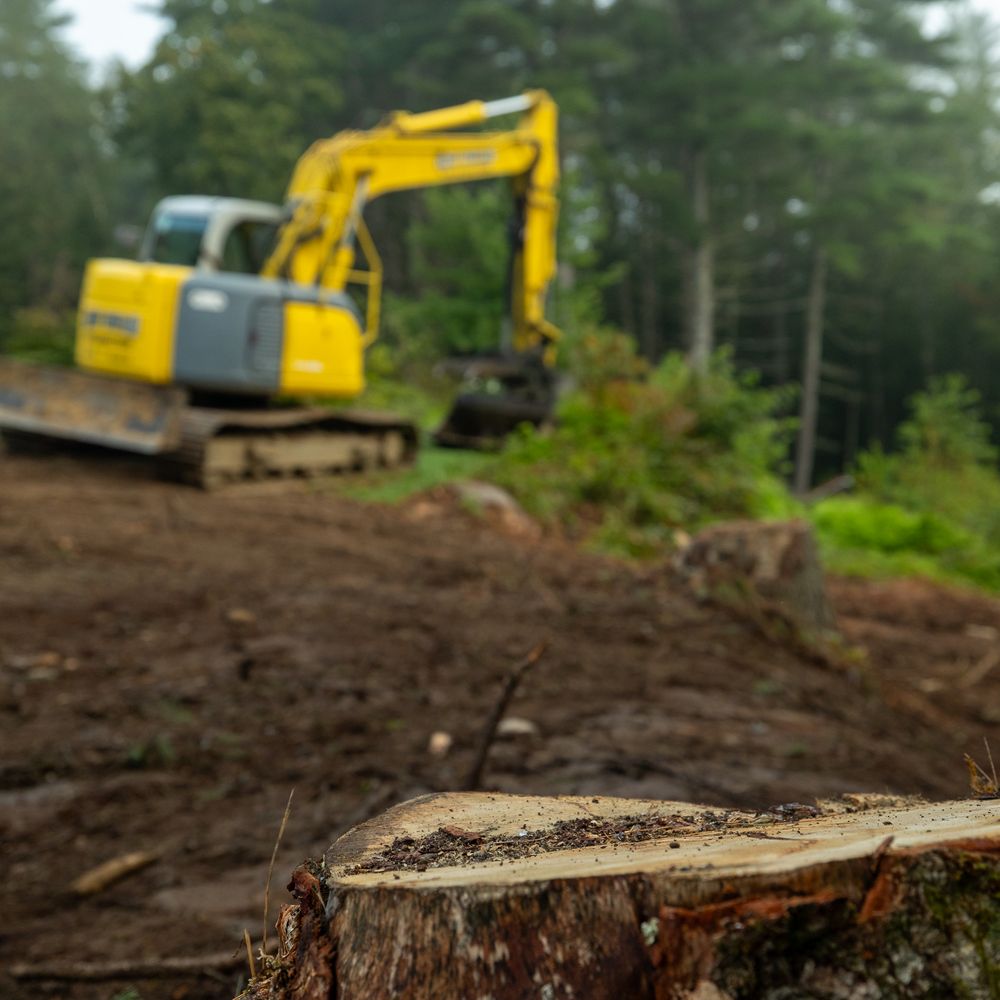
219	447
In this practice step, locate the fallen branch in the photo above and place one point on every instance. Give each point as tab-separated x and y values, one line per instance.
514	678
160	968
270	872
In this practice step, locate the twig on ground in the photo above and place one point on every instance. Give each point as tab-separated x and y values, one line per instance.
475	777
161	968
993	767
249	946
99	878
270	869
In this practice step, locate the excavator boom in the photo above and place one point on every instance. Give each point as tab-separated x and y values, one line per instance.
337	177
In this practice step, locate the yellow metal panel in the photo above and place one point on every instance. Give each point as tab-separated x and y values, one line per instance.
127	319
323	351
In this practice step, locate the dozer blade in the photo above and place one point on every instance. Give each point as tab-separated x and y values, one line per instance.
78	406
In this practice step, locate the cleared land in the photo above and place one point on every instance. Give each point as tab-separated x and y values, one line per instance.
173	663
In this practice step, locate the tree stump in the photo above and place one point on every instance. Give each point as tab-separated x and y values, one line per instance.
777	560
478	895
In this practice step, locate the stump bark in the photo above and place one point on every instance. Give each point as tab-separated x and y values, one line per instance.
477	895
778	560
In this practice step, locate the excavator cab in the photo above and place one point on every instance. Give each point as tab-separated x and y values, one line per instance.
234	235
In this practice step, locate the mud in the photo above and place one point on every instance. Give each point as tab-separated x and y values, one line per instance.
173	663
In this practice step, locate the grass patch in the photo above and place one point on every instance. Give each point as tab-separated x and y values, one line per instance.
433	467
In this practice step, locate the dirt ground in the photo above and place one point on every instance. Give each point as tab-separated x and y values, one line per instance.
173	663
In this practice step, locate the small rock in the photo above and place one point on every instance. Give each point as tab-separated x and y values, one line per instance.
422	510
66	543
512	726
439	743
42	674
986	632
485	495
240	616
499	506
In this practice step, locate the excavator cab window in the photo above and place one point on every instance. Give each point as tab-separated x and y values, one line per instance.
175	239
248	246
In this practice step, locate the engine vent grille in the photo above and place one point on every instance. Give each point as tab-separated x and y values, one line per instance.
265	339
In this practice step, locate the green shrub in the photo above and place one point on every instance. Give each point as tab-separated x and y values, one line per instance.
862	523
931	508
638	454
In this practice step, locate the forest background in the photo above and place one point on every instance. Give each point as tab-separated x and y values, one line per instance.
810	186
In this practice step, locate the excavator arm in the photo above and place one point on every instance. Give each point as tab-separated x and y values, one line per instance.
337	177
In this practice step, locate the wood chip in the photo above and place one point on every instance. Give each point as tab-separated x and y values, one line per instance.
457	831
98	879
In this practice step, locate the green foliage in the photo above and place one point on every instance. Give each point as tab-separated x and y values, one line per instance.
945	464
856	522
433	467
409	388
53	207
932	508
458	264
633	459
157	751
232	96
946	428
41	335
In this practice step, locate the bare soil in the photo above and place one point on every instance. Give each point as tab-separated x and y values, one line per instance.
173	663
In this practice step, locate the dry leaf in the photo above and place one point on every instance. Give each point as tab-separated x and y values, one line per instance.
979	781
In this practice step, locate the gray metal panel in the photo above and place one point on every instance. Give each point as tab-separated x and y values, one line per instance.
214	326
230	330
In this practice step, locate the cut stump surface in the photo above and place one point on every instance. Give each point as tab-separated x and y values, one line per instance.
478	895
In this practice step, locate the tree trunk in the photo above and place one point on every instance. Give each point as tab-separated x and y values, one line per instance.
477	895
701	306
649	324
809	409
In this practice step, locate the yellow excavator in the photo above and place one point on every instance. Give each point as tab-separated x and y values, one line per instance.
234	307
